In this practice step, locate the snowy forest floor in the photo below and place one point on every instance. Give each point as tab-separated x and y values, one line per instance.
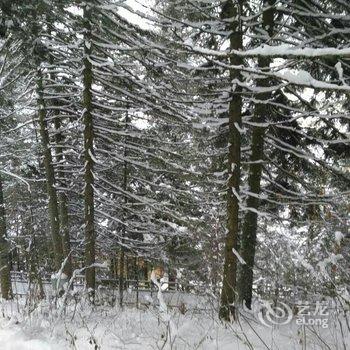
49	326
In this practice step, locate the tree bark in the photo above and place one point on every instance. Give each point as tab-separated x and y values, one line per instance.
34	276
88	155
50	175
5	276
250	225
232	10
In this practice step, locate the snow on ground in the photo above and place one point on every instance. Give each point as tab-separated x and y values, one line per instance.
80	326
14	338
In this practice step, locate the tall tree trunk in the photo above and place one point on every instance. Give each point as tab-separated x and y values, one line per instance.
88	155
63	201
125	188
249	230
62	196
5	277
232	10
121	276
50	174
